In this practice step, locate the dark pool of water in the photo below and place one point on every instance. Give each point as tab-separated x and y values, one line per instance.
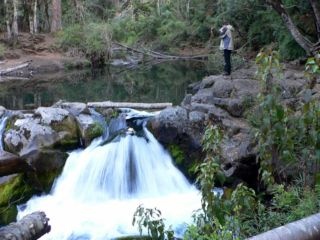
165	82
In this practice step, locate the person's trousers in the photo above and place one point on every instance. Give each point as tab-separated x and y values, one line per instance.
227	61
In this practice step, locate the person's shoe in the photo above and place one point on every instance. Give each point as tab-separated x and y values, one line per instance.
226	74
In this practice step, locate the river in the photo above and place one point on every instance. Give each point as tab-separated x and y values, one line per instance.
163	82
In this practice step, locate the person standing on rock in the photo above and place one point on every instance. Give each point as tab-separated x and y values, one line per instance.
226	44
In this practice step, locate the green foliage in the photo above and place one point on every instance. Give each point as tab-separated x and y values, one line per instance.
312	69
289	49
92	40
269	67
151	220
214	220
313	65
177	153
287	205
286	140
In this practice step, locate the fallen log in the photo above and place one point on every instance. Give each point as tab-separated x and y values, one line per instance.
15	68
134	105
158	55
304	229
10	78
30	227
10	164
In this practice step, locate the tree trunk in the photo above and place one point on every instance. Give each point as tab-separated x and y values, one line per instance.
79	8
31	227
56	16
188	9
7	18
316	12
30	15
298	37
109	104
35	18
47	14
159	7
15	31
14	68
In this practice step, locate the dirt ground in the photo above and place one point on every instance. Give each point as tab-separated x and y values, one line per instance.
40	51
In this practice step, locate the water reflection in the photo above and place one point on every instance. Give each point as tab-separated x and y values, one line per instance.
164	82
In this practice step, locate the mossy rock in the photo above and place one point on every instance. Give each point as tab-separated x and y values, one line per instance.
108	113
95	130
20	188
8	214
69	129
10	122
180	159
45	180
14	191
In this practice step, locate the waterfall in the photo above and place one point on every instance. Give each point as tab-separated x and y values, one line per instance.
3	121
101	187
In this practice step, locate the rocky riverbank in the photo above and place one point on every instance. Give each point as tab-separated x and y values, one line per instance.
36	141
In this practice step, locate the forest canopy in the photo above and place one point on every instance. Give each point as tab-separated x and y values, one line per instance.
293	26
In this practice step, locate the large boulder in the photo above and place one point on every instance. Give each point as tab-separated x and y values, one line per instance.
47	127
39	142
62	122
180	130
89	128
27	134
218	100
10	164
90	123
225	100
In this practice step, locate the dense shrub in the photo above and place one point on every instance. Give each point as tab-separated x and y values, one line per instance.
93	40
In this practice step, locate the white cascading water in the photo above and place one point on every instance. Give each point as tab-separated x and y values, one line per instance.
3	121
101	187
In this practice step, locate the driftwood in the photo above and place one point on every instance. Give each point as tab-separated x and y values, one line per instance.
10	78
158	55
30	227
304	229
15	68
109	104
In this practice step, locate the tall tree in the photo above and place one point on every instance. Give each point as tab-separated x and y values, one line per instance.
79	11
303	41
7	18
11	18
315	6
15	31
32	15
56	23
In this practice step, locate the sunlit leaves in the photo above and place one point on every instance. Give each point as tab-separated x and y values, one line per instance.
150	219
